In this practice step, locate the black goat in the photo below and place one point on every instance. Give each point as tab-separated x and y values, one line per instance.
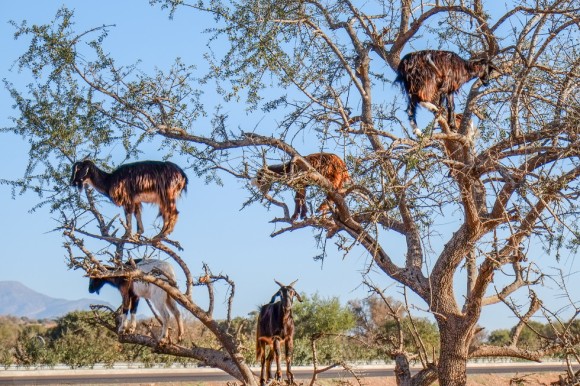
275	324
131	184
131	291
431	77
329	165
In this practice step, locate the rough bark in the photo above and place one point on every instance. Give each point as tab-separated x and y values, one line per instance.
455	339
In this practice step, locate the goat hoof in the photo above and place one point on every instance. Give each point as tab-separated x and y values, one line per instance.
159	237
132	237
163	341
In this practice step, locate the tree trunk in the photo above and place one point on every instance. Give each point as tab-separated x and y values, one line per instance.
455	338
402	370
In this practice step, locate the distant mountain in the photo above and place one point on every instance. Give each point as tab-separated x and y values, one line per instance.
18	300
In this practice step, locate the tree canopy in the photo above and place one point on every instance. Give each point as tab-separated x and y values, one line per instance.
322	70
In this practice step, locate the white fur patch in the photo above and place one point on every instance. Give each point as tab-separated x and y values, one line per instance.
147	197
429	106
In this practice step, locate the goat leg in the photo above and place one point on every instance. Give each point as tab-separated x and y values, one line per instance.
122	322
451	112
172	306
277	354
269	364
289	348
132	325
412	113
301	197
299	203
169	215
140	229
324	208
129	222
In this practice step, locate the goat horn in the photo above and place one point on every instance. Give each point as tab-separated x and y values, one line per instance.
292	284
280	284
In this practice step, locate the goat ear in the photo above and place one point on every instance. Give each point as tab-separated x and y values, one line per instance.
298	296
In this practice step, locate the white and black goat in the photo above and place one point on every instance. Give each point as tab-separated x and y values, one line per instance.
131	291
329	165
431	78
131	184
275	325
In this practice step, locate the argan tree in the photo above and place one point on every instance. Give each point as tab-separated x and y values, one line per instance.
323	71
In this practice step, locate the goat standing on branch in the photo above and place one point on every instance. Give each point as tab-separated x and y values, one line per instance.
132	290
131	184
329	165
275	324
431	77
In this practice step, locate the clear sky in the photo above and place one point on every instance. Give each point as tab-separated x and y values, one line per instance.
212	228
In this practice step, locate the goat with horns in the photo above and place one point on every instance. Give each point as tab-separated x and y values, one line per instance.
132	290
275	325
329	165
131	184
432	77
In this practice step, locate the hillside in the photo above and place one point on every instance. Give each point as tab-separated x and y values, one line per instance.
18	300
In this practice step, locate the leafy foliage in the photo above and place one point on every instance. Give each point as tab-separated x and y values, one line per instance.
319	70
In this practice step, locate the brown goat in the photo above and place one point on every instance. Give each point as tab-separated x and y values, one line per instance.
275	325
329	165
431	77
131	184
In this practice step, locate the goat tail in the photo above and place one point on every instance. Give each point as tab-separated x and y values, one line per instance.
185	180
400	79
178	180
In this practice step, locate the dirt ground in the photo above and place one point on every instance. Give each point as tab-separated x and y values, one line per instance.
537	379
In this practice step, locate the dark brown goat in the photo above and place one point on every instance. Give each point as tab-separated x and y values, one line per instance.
275	325
329	165
432	77
131	184
131	291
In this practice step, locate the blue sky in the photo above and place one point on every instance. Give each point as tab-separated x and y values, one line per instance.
212	228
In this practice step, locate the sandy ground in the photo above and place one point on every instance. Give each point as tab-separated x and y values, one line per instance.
539	379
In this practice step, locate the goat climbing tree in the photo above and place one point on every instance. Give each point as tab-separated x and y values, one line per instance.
324	71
